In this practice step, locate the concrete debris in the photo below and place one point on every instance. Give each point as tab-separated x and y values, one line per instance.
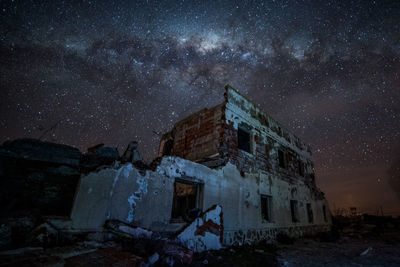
204	233
136	232
5	236
99	155
74	253
131	153
106	257
175	253
165	249
127	229
153	259
44	235
20	251
365	252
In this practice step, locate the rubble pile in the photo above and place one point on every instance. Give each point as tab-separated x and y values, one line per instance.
38	179
119	243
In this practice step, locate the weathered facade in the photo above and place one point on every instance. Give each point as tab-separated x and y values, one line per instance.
232	155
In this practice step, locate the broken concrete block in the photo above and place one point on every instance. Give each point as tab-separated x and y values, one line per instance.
99	155
365	252
136	232
20	251
125	229
172	252
204	233
106	257
153	259
131	153
45	235
5	236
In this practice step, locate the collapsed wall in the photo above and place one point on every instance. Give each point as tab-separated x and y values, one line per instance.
159	200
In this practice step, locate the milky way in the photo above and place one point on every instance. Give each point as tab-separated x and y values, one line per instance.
87	72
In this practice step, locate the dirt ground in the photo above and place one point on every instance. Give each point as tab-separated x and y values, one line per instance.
347	250
344	252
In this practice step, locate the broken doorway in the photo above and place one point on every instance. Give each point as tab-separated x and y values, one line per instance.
186	201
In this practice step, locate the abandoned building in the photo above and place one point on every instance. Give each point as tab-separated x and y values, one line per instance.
232	155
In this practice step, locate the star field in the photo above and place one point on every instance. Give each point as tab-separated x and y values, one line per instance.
116	71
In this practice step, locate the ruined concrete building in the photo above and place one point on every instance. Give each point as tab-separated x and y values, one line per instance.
232	155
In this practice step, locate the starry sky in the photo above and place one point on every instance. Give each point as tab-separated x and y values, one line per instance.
89	72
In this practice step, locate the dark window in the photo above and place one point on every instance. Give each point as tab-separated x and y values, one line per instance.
281	157
266	207
324	213
186	200
310	213
243	139
168	147
301	167
294	211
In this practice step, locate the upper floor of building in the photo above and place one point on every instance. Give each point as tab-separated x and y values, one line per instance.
239	132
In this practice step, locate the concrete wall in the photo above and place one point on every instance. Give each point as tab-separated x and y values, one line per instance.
125	194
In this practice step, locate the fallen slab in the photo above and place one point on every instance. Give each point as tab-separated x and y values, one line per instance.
127	230
204	233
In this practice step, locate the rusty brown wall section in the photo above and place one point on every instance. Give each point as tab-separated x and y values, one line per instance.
199	136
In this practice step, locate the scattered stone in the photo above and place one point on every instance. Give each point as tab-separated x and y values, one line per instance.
66	254
106	257
366	251
5	236
176	253
153	259
127	229
45	235
99	155
131	153
168	261
19	251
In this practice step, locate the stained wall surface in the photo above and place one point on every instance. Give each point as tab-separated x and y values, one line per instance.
145	199
199	135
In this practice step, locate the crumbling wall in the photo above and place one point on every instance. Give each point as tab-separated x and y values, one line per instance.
198	136
266	139
145	199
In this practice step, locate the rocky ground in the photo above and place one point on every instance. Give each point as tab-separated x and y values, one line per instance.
37	185
344	252
343	248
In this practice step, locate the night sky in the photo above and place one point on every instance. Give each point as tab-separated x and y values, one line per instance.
87	72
